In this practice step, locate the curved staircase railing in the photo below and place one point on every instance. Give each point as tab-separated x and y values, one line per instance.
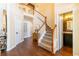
40	22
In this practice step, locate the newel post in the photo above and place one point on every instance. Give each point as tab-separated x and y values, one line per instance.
53	31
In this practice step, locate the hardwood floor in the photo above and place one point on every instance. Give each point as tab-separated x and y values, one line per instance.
29	48
65	51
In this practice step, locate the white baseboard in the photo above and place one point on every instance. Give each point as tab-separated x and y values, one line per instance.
27	36
20	41
8	49
75	54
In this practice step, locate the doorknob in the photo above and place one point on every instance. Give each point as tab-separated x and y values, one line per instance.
16	32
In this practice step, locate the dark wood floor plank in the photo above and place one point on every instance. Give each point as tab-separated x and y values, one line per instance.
30	48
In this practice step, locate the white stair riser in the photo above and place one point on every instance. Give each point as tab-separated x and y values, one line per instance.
46	42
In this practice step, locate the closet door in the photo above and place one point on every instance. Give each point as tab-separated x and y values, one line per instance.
17	31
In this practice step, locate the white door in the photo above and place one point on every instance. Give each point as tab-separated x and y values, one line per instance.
17	28
58	42
60	32
27	29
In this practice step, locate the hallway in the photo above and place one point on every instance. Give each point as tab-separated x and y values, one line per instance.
28	48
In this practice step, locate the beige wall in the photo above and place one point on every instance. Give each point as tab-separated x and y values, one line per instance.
47	9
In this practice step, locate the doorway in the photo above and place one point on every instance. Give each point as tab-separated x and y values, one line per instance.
28	26
66	31
27	29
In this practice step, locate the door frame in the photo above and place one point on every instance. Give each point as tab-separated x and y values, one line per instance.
28	21
60	28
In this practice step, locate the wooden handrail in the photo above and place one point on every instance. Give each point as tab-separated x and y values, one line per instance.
44	23
41	27
40	19
40	13
29	4
54	27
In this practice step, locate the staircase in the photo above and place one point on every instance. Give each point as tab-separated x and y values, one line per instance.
40	26
46	41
